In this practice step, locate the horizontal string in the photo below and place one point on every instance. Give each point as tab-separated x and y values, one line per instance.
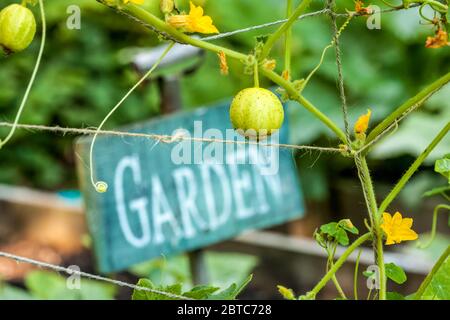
88	275
301	17
162	138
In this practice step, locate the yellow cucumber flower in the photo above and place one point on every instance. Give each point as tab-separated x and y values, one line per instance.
195	21
397	229
362	123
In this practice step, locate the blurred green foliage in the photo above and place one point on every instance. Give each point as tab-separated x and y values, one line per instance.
81	78
47	285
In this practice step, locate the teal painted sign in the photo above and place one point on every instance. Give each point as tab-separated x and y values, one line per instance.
168	198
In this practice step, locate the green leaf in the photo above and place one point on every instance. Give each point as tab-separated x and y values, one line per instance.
148	295
442	166
244	284
368	274
394	296
286	293
395	273
232	291
8	292
200	292
342	237
329	228
52	286
436	285
227	294
348	226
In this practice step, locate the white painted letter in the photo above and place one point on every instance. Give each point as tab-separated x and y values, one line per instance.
216	219
241	182
162	213
187	194
138	205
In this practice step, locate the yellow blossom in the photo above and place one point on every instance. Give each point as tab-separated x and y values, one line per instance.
360	9
438	41
397	229
362	123
269	64
134	1
195	21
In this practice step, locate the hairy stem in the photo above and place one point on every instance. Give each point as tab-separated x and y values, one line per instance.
283	28
369	195
418	98
288	43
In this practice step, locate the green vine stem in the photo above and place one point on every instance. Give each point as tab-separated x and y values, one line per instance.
334	279
369	195
430	276
288	42
101	186
283	28
256	74
153	22
418	98
355	276
339	262
33	76
436	5
296	96
412	169
434	225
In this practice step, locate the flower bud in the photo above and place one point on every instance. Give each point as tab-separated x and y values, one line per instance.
17	27
166	6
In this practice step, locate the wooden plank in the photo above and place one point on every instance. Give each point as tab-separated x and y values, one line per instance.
156	205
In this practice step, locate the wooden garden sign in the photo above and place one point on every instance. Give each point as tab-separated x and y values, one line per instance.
168	198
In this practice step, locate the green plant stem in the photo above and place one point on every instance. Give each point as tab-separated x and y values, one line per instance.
150	20
355	276
334	278
33	76
418	98
288	42
430	276
256	74
369	194
283	28
380	262
296	96
412	169
339	262
338	287
434	224
435	4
